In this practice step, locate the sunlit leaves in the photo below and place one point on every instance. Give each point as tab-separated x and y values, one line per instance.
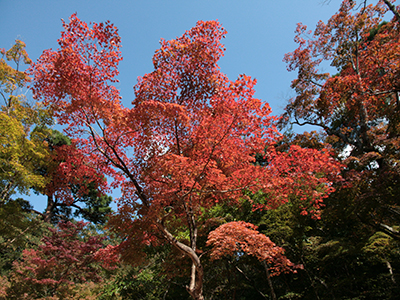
235	238
10	78
188	142
20	150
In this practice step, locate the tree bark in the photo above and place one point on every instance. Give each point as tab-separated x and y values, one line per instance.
389	266
273	295
393	9
48	214
5	193
248	279
195	289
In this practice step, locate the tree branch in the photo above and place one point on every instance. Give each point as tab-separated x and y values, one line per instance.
393	9
193	289
248	279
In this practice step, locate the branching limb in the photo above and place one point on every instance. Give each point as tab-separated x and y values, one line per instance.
248	279
393	9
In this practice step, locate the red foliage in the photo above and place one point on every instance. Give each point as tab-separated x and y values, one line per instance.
108	256
62	260
236	237
70	168
188	142
358	107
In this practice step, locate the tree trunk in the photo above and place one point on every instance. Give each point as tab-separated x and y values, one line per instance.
48	214
273	295
195	288
389	266
5	193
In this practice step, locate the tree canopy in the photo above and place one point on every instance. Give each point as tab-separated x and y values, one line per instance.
188	143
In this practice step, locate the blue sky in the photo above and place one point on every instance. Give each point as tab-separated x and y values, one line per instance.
260	32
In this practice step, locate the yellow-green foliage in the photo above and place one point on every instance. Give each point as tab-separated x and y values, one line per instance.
10	78
381	247
20	151
18	155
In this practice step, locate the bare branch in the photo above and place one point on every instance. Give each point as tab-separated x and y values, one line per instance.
393	9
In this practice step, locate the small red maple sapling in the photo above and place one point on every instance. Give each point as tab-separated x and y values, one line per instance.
234	237
188	142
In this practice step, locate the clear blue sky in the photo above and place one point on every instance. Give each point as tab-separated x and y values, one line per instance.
260	32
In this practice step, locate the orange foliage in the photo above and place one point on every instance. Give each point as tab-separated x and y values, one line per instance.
235	237
188	142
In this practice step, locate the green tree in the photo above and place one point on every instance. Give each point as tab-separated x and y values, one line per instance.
20	228
74	188
20	151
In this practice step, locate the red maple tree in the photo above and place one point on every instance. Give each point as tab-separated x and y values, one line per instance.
234	237
188	142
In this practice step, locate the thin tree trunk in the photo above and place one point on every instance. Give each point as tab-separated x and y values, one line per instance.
273	295
49	209
311	280
389	266
5	192
245	276
195	289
